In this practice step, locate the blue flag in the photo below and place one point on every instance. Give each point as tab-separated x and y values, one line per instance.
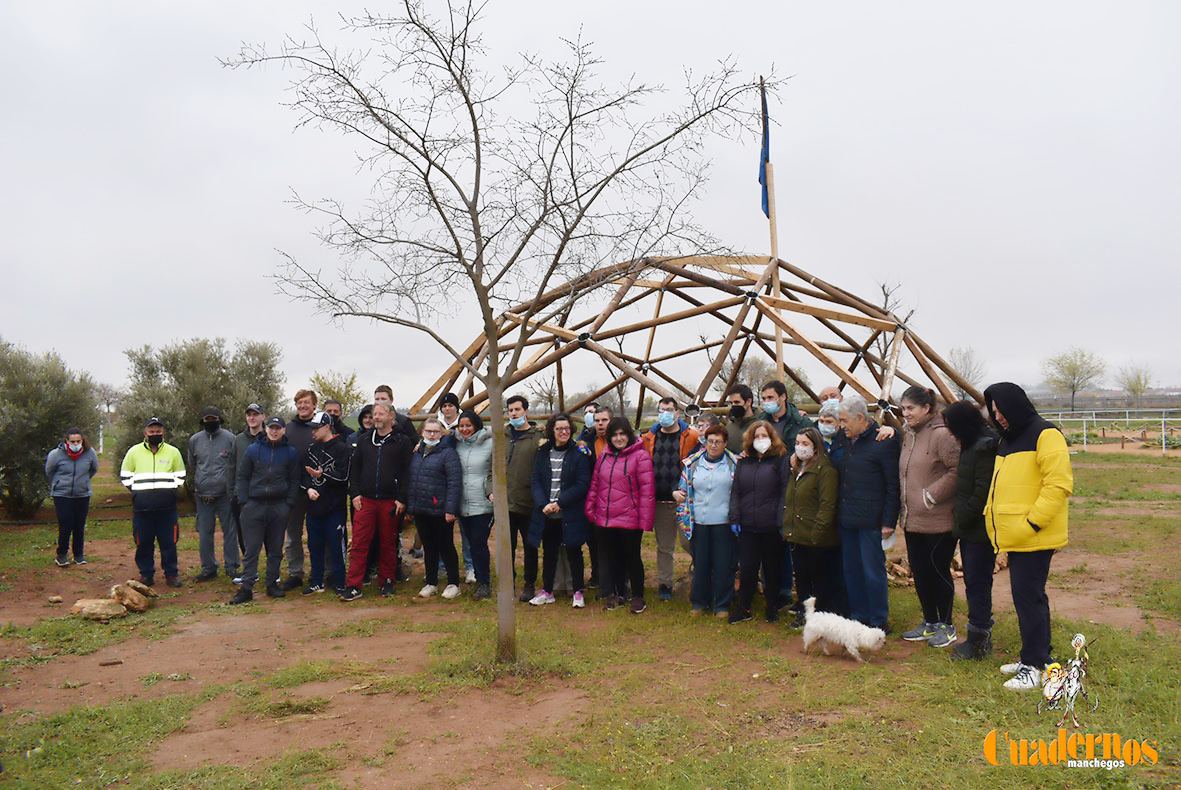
765	156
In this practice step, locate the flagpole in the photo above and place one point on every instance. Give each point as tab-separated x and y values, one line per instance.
774	262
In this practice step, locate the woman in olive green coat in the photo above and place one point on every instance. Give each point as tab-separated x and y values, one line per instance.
810	526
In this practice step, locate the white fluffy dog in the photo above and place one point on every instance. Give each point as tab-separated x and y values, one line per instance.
829	628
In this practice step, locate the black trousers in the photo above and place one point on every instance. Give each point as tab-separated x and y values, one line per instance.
759	551
602	571
930	565
818	574
519	524
624	561
979	560
438	541
551	545
71	523
264	524
1028	571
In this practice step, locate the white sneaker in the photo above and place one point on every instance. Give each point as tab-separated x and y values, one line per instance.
1011	669
542	598
451	591
579	600
471	576
1026	679
427	591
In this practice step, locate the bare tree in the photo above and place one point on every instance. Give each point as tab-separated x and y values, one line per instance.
1073	371
515	182
891	302
109	396
1135	380
755	371
543	392
970	367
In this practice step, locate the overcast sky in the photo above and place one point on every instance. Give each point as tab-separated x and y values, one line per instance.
1015	165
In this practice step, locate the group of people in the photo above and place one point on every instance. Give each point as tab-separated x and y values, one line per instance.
766	495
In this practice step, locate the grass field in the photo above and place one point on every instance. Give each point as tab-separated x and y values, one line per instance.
315	693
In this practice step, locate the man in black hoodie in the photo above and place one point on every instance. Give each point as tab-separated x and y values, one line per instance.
378	480
325	484
299	436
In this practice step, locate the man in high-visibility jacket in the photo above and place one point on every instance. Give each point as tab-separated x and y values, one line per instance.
154	470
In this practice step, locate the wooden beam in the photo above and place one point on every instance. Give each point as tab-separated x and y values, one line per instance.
951	372
929	369
816	351
834	315
668	319
557	331
624	367
803	385
600	392
892	365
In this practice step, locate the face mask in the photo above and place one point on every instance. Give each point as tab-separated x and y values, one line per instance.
771	406
589	419
518	422
212	426
804	453
701	437
831	402
737	412
430	442
155	441
666	419
75	447
826	430
761	445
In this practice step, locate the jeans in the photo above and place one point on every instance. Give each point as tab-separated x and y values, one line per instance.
623	556
818	574
71	523
264	522
759	550
476	530
1028	571
930	565
209	509
551	544
865	576
151	527
715	555
293	545
327	542
438	545
979	560
519	523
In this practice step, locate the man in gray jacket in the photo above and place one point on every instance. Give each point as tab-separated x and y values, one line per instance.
211	461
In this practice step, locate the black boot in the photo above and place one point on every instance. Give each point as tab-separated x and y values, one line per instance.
978	645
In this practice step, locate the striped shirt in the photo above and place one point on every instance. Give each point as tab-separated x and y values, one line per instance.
556	458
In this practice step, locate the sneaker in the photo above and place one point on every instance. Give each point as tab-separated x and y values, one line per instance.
275	591
471	577
1011	669
920	633
312	589
944	636
579	601
387	588
451	591
292	583
234	573
173	581
696	612
638	606
542	598
1026	679
236	580
739	616
62	561
665	592
482	593
80	559
205	576
611	602
428	590
242	596
527	593
350	594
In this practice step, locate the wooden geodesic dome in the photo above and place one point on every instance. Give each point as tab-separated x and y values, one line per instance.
671	325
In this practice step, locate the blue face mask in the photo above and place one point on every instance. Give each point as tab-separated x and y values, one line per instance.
589	419
666	419
771	406
831	402
518	422
826	430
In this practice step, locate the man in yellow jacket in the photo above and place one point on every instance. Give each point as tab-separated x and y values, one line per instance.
154	470
1026	515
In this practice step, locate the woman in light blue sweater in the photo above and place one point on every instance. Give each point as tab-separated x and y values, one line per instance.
706	479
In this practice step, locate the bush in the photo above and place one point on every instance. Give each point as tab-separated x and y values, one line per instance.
175	382
39	398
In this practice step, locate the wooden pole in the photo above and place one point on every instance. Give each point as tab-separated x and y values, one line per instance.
929	369
892	364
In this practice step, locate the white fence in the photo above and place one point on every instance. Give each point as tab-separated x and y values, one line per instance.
1146	419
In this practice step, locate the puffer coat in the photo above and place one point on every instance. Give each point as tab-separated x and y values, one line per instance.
436	484
475	458
623	489
927	474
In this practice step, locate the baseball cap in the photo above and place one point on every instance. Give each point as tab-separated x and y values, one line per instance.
254	407
320	419
210	411
154	421
275	422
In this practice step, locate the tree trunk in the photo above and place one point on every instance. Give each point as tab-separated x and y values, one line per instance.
506	613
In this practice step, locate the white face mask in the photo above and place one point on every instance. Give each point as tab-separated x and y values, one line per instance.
761	445
75	447
430	442
804	452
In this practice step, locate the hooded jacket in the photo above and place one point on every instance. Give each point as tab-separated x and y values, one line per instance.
380	467
299	434
926	475
869	482
1032	479
269	472
810	506
756	498
210	460
622	492
577	469
973	479
69	477
790	423
333	459
475	459
522	449
436	481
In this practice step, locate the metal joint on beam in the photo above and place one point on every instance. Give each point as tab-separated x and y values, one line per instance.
750	296
644	368
884	406
585	338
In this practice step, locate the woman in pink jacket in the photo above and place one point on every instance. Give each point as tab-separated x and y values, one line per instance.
622	500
